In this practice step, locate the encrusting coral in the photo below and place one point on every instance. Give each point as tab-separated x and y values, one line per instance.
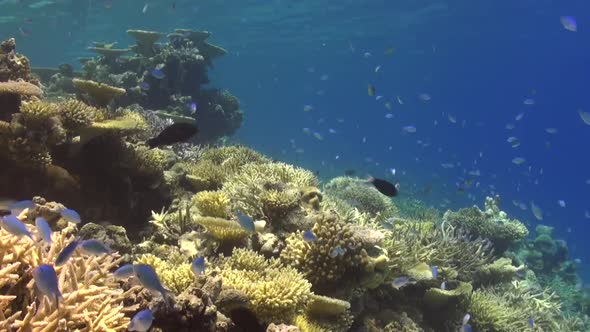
276	293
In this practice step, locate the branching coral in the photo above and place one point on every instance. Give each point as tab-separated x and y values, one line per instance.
175	276
455	253
332	258
509	309
276	293
75	114
92	300
501	270
247	186
345	193
491	223
212	203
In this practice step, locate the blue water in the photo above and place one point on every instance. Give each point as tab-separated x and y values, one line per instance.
478	60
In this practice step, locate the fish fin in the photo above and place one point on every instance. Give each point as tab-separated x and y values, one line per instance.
152	143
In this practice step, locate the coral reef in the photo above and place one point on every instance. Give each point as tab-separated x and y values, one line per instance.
345	193
91	299
491	223
276	293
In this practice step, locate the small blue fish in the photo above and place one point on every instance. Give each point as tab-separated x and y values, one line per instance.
66	253
409	129
443	285
389	224
531	322
93	247
124	272
142	321
149	279
43	229
70	215
14	226
46	281
434	270
17	207
193	107
400	282
198	266
466	328
246	222
158	73
145	86
308	236
466	319
338	251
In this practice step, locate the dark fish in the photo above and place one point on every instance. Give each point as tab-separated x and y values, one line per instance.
385	187
349	172
176	133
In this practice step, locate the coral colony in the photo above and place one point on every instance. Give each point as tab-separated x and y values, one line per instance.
112	233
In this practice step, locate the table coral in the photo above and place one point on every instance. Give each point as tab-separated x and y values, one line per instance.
145	41
221	229
91	298
101	94
276	293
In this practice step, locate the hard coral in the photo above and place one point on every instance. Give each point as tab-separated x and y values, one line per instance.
222	229
345	193
331	259
177	277
491	223
276	293
99	93
75	114
91	299
212	203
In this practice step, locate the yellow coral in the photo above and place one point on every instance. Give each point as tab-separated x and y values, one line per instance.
75	114
92	300
323	306
212	203
276	293
277	204
101	94
306	326
177	277
222	229
126	124
321	262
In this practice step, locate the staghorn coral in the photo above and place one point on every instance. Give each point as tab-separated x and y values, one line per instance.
92	301
247	186
276	293
212	204
491	223
75	114
345	193
320	261
455	253
501	270
510	308
175	276
277	204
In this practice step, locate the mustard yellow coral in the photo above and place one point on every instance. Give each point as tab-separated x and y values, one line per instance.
222	229
75	114
276	293
212	203
176	277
